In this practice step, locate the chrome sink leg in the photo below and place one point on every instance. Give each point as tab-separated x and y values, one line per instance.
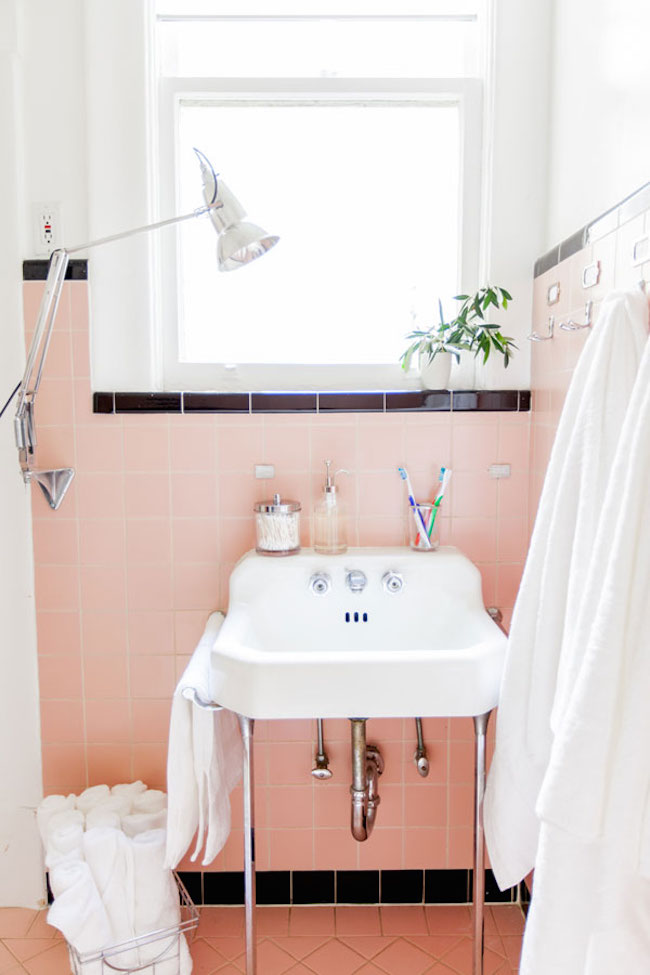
321	769
480	728
247	725
420	757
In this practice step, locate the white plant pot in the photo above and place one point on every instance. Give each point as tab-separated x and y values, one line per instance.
434	374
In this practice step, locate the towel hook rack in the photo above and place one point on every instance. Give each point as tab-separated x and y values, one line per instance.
191	694
572	326
536	337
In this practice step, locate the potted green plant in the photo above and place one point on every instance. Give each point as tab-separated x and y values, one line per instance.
468	331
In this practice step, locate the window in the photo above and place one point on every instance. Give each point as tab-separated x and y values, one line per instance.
355	136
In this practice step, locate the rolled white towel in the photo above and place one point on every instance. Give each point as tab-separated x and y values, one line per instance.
130	789
109	854
100	816
48	807
117	805
138	823
157	906
153	800
64	838
90	797
78	911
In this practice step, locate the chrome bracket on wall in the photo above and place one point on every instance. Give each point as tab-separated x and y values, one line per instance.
536	337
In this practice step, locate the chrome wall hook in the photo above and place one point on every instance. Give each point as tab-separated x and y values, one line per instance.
536	337
572	326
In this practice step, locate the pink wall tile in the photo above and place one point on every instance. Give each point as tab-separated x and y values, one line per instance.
55	541
335	849
150	587
146	447
196	587
194	495
148	540
192	448
102	542
109	763
425	846
59	676
105	677
150	764
188	627
152	676
103	587
99	448
151	720
62	721
291	846
147	495
108	721
290	806
104	633
287	447
57	587
151	631
64	768
100	495
383	851
198	539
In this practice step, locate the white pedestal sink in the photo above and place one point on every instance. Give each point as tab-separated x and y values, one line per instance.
298	642
376	632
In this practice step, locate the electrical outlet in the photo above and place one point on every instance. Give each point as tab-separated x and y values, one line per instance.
48	232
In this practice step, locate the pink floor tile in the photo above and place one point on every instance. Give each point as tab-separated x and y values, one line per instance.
403	920
403	958
16	921
299	947
41	929
445	920
205	958
221	922
272	921
311	921
509	919
272	959
54	961
24	948
334	956
367	946
357	921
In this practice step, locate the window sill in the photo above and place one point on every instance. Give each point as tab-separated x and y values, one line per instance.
412	401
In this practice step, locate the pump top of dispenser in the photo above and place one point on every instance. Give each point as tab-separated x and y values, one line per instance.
330	486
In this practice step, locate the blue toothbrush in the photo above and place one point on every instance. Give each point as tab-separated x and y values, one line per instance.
417	514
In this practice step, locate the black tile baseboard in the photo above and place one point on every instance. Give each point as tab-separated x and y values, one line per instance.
392	401
606	222
36	270
285	887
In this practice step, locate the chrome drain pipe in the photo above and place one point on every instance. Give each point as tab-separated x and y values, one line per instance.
367	766
420	757
321	769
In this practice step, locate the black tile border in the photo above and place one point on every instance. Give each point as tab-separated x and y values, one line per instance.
313	887
357	886
393	401
299	887
36	270
610	220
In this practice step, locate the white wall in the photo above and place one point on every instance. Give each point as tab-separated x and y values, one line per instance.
21	871
600	109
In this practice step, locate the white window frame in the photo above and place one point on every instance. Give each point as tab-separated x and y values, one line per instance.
466	93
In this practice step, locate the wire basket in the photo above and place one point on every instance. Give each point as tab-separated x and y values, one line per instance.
119	957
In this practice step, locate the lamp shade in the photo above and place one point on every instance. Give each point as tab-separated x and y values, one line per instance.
242	243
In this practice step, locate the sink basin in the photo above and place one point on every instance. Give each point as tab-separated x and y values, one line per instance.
415	640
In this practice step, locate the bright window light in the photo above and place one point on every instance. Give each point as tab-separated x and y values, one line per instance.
365	198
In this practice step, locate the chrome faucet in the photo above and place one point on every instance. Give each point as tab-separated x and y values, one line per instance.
356	580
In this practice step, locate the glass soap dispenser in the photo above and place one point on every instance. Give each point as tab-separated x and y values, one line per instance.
330	520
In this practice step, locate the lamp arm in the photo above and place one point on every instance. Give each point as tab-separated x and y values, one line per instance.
23	420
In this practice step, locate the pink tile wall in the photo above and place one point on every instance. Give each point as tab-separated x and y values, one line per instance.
553	362
141	551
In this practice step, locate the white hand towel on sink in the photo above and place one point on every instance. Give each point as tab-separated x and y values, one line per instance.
540	646
204	760
157	907
108	811
78	911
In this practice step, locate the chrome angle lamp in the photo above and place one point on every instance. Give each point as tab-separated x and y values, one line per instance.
239	242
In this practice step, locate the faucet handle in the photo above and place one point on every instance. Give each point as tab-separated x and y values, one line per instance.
356	580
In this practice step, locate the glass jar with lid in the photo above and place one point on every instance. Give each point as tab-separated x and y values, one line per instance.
277	526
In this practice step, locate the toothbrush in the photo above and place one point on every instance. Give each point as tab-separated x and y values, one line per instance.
444	478
417	514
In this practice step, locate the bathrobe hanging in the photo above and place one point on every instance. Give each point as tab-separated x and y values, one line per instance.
539	666
594	847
